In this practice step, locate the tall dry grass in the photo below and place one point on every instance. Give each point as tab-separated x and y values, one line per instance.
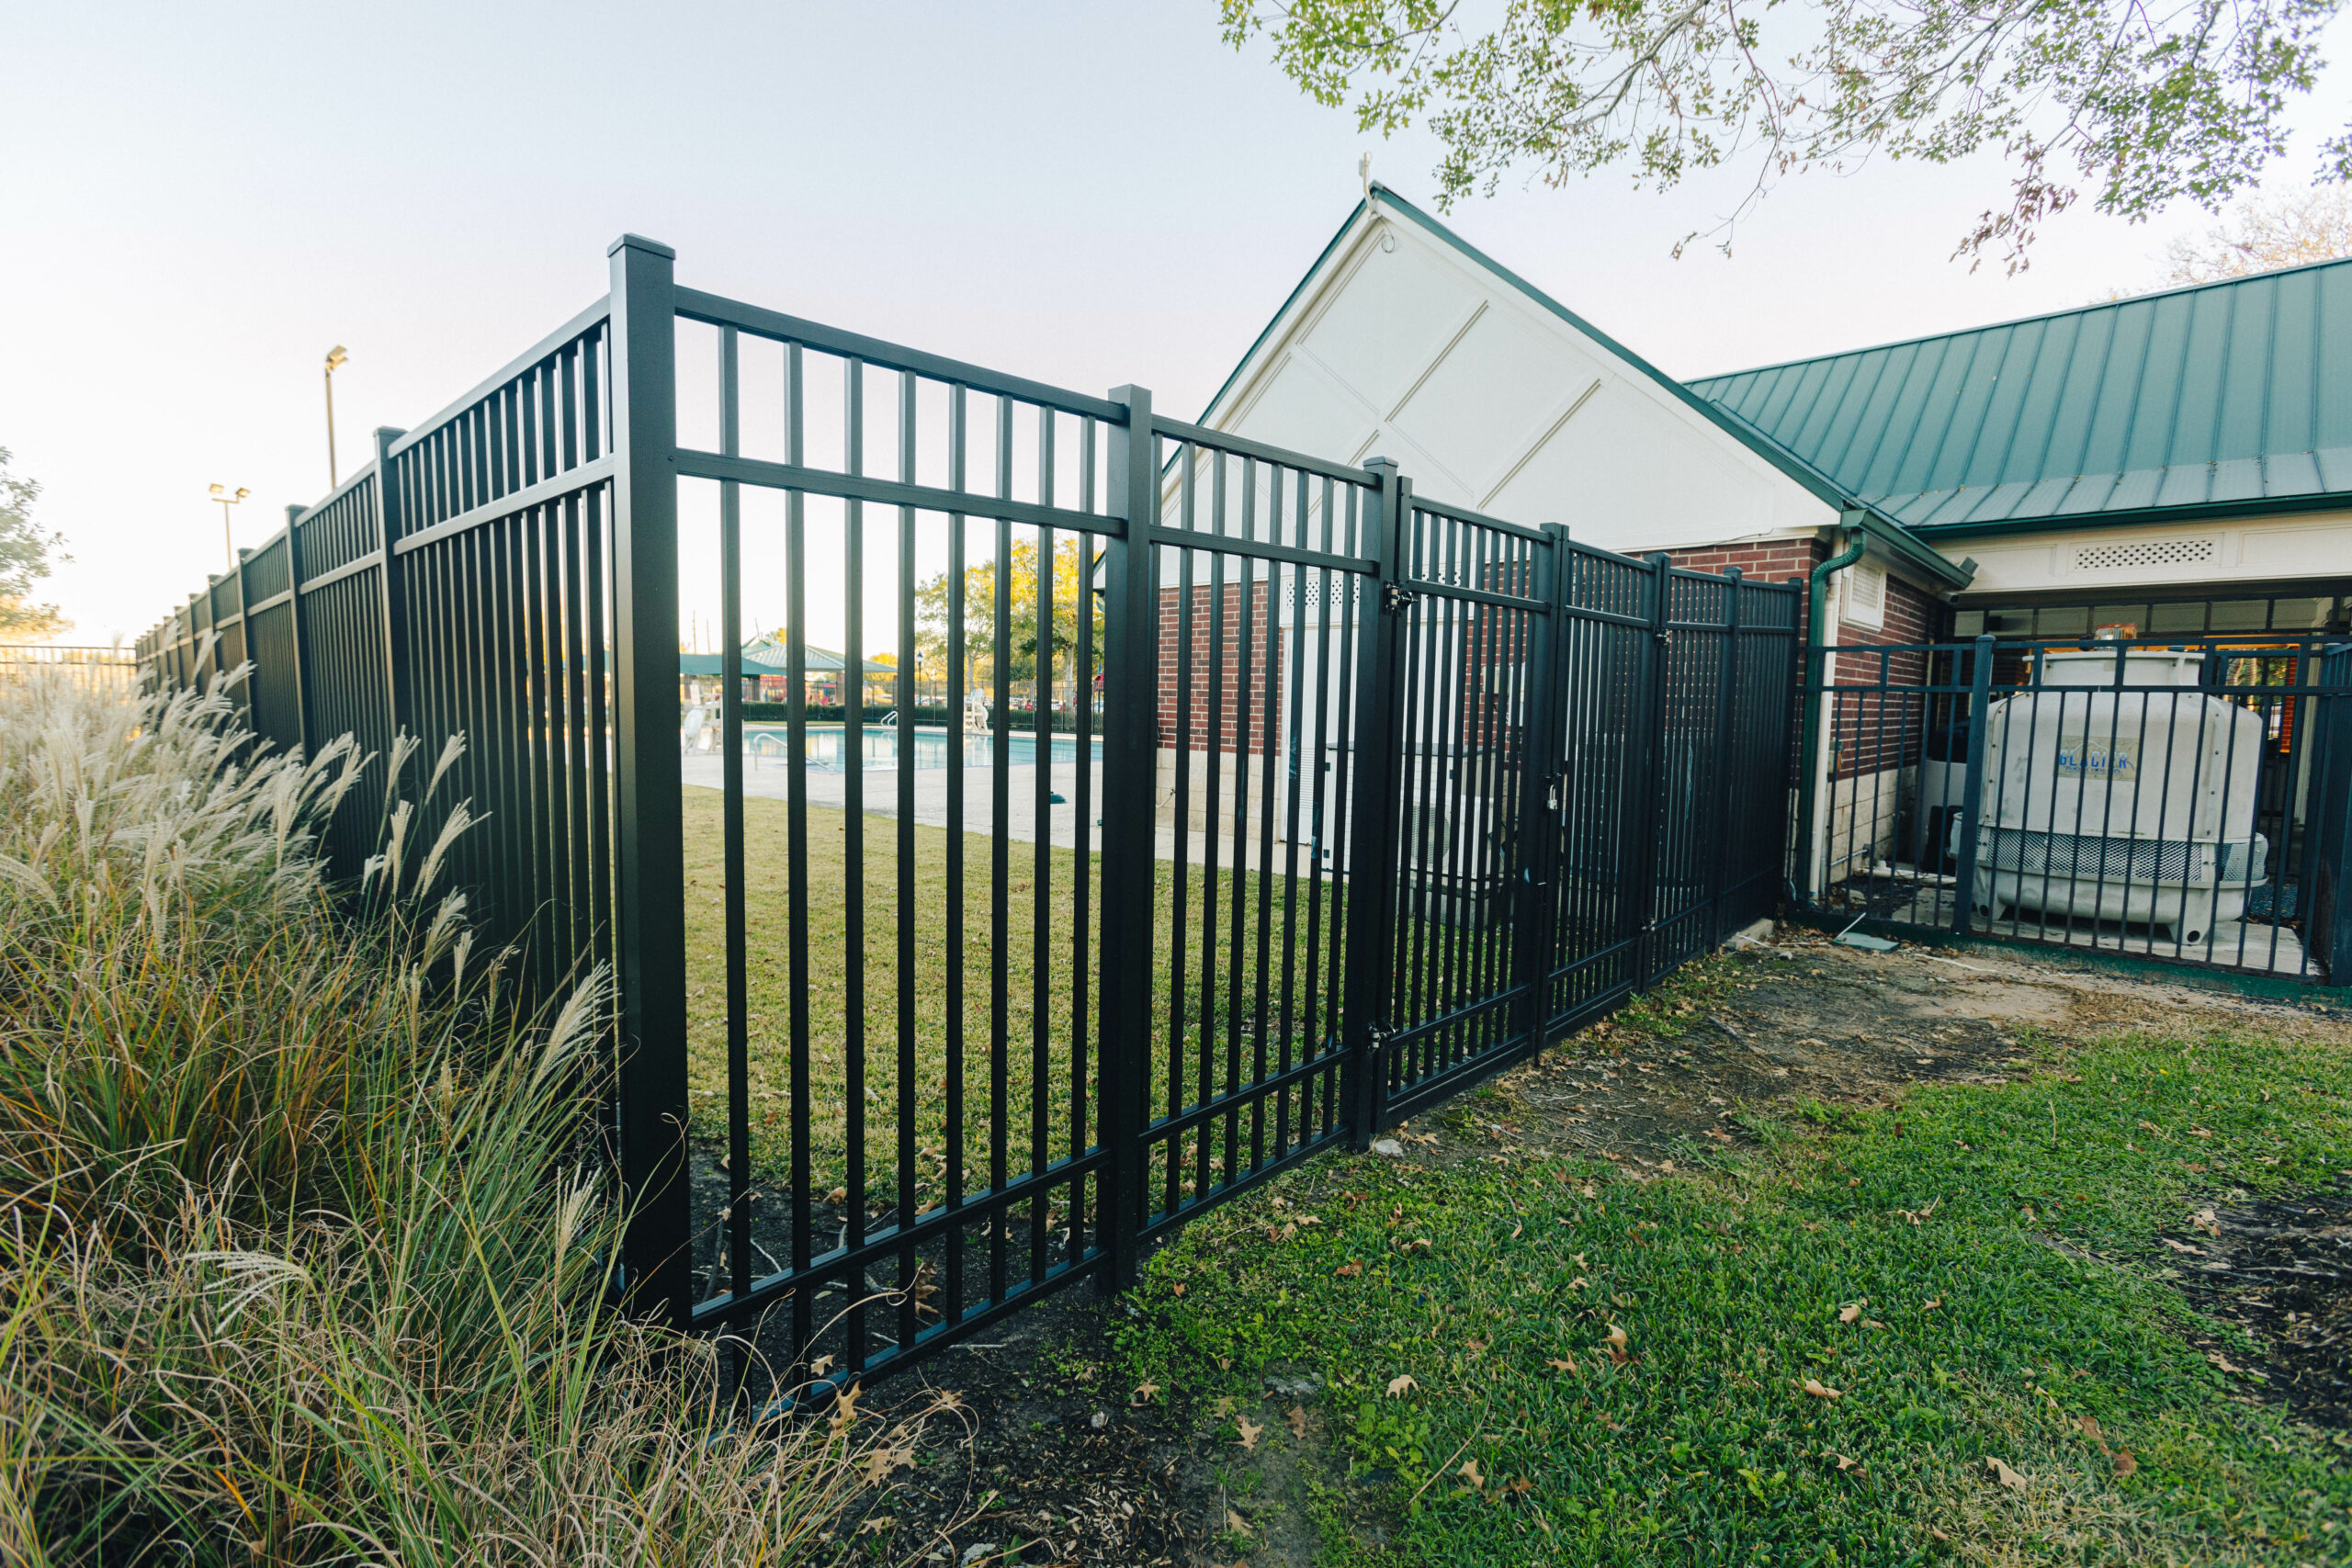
301	1256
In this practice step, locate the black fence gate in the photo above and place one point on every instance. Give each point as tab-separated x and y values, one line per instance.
1269	802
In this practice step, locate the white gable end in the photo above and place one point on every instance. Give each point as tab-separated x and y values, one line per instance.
1401	346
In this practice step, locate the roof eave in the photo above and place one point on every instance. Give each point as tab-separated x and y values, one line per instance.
2141	517
1905	550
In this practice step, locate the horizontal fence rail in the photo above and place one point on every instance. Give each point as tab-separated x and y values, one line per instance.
2166	798
1081	817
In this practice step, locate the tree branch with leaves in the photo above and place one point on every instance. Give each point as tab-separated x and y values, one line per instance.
2135	105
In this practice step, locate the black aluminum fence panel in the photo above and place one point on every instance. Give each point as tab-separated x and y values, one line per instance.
1160	808
341	626
2167	799
894	930
115	669
1474	614
273	698
1260	616
1607	644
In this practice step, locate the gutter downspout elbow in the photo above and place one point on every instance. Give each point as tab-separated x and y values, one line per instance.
1814	673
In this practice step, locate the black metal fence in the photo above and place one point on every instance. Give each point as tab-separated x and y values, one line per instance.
99	668
2167	798
1351	798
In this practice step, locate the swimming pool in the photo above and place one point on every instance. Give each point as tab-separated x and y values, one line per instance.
770	745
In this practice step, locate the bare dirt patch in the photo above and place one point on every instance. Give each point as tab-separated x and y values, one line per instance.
1798	1019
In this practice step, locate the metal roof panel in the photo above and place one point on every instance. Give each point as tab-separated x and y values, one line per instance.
2237	479
2290	473
2145	395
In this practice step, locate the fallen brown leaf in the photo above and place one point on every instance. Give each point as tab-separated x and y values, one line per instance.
2004	1474
1615	1344
1820	1390
2090	1423
821	1366
1848	1313
1249	1429
1236	1523
1401	1384
1297	1420
1349	1269
1563	1364
1471	1473
2125	1465
1145	1393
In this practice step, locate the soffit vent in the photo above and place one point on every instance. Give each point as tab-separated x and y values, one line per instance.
2202	549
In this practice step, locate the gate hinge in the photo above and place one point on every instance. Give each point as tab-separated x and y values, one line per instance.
1396	598
1378	1034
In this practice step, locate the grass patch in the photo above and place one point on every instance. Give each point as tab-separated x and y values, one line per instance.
1974	1273
1257	964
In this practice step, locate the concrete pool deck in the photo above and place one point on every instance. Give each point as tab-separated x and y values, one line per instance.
828	791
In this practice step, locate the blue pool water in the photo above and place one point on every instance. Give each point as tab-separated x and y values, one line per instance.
769	745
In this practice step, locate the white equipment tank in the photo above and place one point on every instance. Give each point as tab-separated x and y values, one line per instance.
2133	805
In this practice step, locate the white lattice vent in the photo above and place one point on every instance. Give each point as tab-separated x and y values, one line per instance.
2202	549
1866	595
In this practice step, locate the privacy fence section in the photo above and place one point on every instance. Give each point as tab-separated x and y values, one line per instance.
1270	802
2178	799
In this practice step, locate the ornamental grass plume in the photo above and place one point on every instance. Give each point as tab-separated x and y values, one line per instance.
304	1254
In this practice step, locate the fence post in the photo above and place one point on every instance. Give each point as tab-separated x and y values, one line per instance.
294	622
1131	755
1972	794
1373	811
1645	796
395	598
1539	822
1726	694
648	906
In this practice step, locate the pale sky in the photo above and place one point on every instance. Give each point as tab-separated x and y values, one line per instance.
202	199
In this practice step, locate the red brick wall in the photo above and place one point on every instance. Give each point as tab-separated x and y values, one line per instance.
1870	732
1217	630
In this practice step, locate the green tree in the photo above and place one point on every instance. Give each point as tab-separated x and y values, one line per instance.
26	553
2139	104
934	614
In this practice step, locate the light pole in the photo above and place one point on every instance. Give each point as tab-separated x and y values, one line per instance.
336	358
222	495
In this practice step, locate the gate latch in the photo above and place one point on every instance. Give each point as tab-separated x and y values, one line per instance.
1378	1035
1397	598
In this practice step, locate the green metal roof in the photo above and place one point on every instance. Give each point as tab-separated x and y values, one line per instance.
2224	397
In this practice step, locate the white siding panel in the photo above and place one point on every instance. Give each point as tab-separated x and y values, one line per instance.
1303	408
1489	398
1623	474
1392	317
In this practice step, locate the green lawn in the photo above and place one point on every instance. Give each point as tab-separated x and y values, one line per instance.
1974	1273
1221	1032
